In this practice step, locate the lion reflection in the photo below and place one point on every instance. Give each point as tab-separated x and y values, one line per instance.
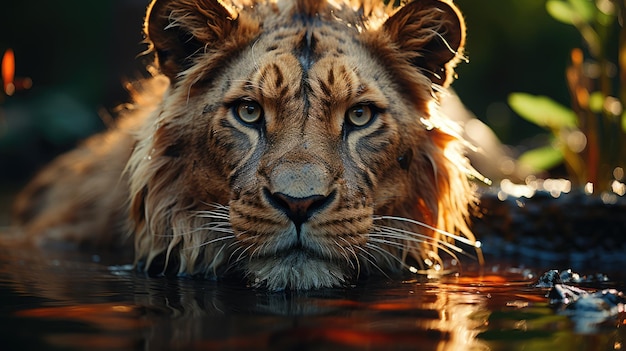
111	307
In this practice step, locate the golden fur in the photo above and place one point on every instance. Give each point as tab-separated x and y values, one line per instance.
297	142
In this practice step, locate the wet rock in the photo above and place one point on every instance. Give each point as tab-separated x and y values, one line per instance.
577	302
574	228
553	277
586	309
549	279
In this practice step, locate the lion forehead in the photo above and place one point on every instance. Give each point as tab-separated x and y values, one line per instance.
301	66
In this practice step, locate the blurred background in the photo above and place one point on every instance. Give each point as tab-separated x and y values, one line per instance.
76	55
72	57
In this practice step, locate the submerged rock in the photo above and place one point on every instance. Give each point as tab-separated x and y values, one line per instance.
587	309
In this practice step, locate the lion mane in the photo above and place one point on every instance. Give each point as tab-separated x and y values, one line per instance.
296	143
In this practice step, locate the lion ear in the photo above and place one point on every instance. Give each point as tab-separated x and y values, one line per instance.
431	35
180	29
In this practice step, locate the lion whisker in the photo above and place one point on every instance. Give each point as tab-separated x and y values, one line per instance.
371	260
391	243
219	213
473	243
345	250
207	227
217	227
242	254
210	242
446	247
234	251
214	262
374	244
222	217
324	249
256	251
396	233
217	205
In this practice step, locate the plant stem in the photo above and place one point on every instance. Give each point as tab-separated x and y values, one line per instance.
621	66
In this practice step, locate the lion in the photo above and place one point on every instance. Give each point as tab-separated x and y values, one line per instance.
295	143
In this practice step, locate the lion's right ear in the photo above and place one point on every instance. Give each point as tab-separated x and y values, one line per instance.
430	34
180	29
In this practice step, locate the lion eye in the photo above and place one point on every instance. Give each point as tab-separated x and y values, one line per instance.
249	112
359	115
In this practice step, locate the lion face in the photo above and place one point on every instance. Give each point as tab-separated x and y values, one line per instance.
306	185
292	135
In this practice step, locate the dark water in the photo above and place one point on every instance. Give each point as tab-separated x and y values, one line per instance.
69	301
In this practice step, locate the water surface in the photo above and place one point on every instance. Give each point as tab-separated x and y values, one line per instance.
70	301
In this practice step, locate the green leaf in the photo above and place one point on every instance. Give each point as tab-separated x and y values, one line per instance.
606	18
561	11
541	159
543	111
585	9
579	13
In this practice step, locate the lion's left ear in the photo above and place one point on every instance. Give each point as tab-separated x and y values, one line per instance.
431	35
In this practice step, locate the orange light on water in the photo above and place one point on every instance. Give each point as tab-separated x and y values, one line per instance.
8	72
490	279
108	316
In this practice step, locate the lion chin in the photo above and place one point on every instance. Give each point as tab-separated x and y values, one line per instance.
298	270
298	143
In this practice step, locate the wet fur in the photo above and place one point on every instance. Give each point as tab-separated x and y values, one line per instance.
197	189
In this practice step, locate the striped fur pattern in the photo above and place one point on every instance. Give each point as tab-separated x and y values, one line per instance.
297	142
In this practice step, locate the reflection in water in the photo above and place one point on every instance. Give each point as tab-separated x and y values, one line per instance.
63	300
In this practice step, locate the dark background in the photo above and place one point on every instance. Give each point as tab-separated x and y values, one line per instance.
78	54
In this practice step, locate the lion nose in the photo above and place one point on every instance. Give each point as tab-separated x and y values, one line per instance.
299	210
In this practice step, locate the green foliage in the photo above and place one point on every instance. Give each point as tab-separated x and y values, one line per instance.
571	12
590	137
561	122
543	111
546	157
